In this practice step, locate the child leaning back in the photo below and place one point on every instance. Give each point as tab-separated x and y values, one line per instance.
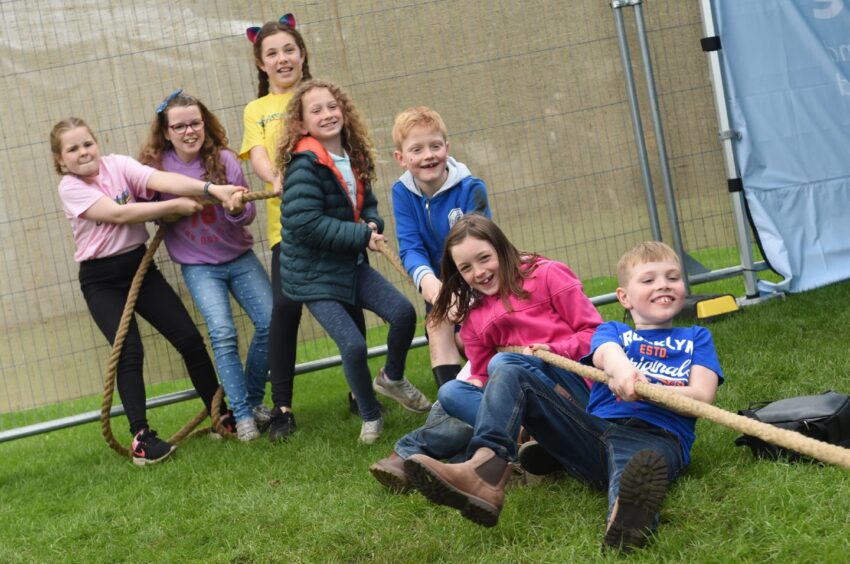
106	200
620	443
434	192
329	217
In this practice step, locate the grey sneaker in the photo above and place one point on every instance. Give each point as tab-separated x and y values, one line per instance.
246	430
371	431
401	391
262	417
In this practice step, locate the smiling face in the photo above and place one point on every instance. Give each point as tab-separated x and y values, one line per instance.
282	60
79	153
424	153
654	294
185	129
323	119
478	264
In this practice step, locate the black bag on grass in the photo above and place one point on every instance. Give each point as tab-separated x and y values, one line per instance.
825	417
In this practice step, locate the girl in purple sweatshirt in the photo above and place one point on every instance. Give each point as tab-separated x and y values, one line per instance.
214	249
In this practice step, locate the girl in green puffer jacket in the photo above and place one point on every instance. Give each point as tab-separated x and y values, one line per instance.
329	217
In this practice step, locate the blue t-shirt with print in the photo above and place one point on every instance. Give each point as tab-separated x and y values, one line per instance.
665	357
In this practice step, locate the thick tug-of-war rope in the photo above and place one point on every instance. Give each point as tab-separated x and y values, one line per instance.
115	355
825	452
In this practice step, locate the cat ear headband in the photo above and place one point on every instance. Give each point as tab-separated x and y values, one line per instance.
253	32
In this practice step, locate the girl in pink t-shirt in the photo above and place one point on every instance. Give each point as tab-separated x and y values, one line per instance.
104	199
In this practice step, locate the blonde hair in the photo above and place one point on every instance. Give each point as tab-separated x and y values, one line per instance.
649	251
56	139
419	116
355	136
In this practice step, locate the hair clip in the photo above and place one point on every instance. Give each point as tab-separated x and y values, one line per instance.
164	104
254	31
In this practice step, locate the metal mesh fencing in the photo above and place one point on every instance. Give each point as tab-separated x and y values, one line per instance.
532	94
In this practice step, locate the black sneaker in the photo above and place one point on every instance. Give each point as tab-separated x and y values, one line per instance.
282	425
149	449
353	409
262	416
536	460
643	486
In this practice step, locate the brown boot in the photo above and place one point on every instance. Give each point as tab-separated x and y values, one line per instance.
390	472
476	488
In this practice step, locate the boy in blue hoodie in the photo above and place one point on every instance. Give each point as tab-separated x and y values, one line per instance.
432	194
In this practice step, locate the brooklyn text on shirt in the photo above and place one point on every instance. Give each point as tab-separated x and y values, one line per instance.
686	345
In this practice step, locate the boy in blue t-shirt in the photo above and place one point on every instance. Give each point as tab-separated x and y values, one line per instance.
630	447
432	194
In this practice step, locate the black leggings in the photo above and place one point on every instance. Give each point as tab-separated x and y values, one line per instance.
105	283
283	336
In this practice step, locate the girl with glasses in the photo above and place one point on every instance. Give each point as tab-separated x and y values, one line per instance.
213	247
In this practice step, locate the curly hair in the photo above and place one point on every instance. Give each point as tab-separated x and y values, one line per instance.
269	29
355	137
215	140
514	267
56	133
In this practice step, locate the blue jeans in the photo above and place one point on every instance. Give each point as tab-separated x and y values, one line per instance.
374	293
210	286
525	390
442	437
460	399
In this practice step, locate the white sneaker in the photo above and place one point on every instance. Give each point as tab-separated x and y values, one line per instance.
401	391
246	430
371	431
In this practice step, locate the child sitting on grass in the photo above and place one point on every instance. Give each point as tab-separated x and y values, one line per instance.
631	447
505	298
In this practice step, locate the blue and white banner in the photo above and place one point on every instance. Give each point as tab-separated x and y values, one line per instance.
786	66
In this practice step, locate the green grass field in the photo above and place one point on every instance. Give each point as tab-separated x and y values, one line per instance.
68	498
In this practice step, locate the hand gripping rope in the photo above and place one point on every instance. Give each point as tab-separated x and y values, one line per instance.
112	366
825	452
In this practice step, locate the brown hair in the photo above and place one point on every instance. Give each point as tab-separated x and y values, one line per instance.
56	139
215	140
514	267
269	29
419	116
649	251
355	136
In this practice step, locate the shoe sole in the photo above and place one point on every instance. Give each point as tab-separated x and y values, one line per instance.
643	487
536	460
438	491
148	462
386	394
390	480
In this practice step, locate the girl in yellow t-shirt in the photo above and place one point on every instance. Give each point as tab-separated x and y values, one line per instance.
280	56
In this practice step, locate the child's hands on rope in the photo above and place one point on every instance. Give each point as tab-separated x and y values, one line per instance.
182	206
239	203
376	239
621	381
531	349
230	196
